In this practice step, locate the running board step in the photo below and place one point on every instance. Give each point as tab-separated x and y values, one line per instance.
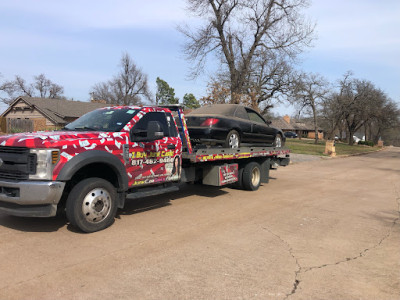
151	192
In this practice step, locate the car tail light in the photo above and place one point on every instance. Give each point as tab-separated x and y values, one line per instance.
209	122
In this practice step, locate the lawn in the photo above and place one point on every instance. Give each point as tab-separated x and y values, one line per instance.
307	146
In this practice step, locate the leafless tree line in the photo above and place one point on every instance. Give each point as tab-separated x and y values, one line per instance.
358	105
256	43
128	87
40	87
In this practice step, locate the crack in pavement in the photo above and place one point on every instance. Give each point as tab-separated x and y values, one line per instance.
290	249
301	270
361	254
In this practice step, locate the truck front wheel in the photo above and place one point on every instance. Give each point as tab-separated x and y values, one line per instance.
91	204
251	178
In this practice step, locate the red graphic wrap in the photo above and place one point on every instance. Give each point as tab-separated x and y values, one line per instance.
185	130
148	162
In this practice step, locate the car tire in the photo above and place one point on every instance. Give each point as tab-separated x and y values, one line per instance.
92	205
232	140
251	178
278	142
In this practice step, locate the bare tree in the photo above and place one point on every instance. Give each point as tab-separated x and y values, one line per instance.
41	87
384	116
271	78
238	31
218	93
308	93
129	87
7	89
357	97
357	104
47	88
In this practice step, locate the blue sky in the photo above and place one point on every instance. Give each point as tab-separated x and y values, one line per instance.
79	43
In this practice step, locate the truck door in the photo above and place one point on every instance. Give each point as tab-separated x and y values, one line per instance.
154	159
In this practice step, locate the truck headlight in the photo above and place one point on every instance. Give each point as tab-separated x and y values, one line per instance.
46	159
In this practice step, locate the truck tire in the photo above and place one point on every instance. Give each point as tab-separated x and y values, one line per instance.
232	140
251	176
239	184
92	204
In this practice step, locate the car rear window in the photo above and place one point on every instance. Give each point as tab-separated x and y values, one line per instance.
218	109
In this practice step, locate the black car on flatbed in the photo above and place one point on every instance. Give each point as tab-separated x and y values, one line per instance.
232	126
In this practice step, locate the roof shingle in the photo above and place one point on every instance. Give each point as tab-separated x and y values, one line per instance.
58	110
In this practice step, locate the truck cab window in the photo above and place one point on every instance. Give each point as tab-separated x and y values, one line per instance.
141	126
171	125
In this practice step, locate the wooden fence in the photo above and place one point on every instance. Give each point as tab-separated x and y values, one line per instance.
3	125
19	125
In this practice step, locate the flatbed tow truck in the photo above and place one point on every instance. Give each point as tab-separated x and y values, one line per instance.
89	172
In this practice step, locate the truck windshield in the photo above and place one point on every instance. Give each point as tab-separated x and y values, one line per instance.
108	119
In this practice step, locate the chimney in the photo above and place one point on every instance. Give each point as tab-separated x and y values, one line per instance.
287	119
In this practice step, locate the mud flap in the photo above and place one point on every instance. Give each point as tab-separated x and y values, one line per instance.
265	166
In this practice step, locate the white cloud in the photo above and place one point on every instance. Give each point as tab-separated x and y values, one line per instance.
361	24
103	14
358	31
17	38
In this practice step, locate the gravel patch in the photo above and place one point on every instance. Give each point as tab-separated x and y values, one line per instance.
297	158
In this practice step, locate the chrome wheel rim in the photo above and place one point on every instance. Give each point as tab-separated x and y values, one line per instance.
97	205
278	142
234	141
255	176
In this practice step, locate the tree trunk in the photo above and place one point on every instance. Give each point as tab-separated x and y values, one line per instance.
351	140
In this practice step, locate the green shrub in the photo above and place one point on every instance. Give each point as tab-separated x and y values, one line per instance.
16	130
366	143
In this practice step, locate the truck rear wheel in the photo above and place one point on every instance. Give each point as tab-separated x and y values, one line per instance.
251	176
91	204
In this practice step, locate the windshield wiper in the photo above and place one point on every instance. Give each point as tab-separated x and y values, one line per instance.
84	128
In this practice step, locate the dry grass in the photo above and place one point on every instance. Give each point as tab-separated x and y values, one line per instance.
307	146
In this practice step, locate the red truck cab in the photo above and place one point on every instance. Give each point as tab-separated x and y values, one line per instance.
125	146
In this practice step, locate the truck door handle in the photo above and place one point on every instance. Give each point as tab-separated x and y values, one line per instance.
171	146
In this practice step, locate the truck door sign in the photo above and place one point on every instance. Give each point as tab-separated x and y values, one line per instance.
155	161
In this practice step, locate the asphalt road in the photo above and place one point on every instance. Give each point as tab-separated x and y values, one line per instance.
324	229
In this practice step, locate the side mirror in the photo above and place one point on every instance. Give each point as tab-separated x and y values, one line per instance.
268	122
154	131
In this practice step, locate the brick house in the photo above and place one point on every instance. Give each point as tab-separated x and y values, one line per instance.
48	113
304	129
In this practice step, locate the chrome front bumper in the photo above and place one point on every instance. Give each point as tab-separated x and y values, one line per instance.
30	198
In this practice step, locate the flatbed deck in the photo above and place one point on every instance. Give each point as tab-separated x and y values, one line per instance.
214	154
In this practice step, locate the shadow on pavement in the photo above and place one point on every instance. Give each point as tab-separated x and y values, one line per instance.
131	207
33	224
154	202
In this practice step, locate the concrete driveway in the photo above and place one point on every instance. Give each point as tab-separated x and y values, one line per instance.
324	229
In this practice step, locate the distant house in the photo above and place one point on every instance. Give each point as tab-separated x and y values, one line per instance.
48	113
303	129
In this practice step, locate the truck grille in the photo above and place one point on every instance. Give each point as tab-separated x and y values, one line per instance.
17	163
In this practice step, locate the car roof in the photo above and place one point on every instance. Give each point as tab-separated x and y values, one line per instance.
222	109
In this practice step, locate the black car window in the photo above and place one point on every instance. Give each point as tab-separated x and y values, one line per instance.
220	109
253	116
241	113
152	116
